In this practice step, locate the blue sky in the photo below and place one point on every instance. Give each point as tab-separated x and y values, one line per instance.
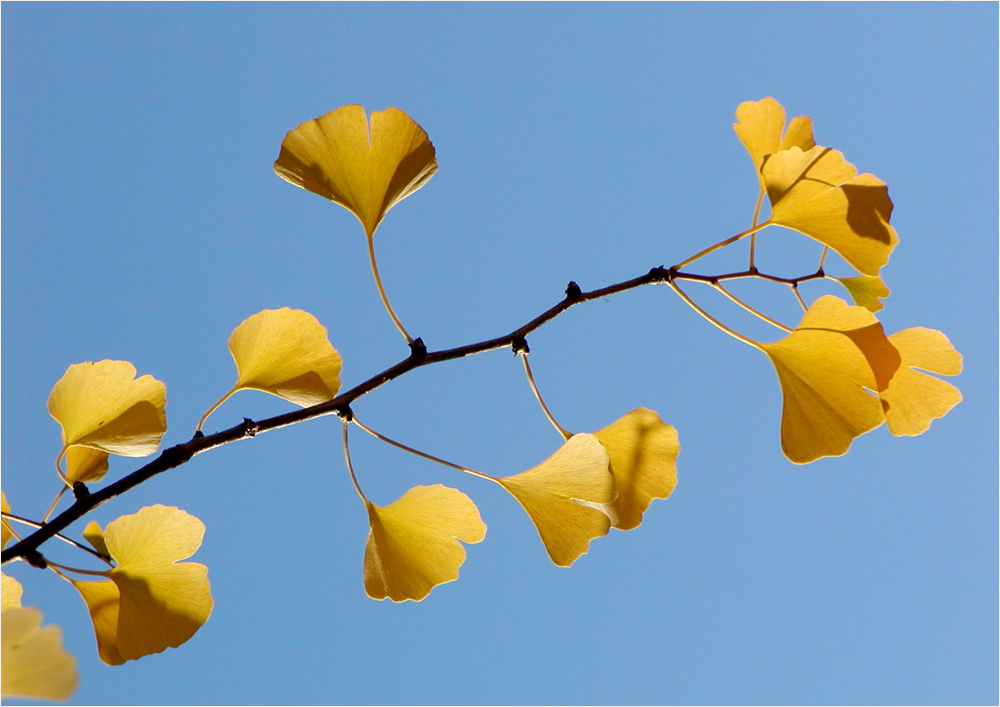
142	221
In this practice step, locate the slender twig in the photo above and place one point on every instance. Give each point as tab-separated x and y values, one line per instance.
180	454
71	541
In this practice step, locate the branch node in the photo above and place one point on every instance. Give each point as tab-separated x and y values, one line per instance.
198	434
519	346
573	292
820	273
249	427
35	559
344	412
417	348
80	491
660	274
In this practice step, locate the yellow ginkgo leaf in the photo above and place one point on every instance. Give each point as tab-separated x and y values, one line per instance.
286	352
830	369
367	171
104	406
85	464
34	662
413	543
555	492
818	193
912	399
642	450
95	536
154	601
103	600
8	532
866	291
12	591
760	125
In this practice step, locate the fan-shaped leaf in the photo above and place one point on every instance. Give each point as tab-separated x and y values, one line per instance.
366	171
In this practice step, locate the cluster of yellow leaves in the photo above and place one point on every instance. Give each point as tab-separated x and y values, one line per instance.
34	663
598	481
153	601
813	190
149	601
841	376
592	483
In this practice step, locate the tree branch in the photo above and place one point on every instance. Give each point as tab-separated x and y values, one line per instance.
177	455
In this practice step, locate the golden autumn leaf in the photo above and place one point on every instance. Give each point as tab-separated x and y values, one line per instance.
153	601
642	450
104	406
367	170
95	536
12	589
865	290
284	352
34	662
830	369
7	531
761	128
554	493
413	543
85	464
11	592
818	193
912	399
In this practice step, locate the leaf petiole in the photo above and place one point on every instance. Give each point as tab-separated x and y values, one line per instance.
411	450
538	397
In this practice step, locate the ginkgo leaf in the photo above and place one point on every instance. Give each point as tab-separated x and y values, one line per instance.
818	193
154	601
103	599
553	494
11	590
8	532
95	536
367	171
34	662
413	543
286	352
866	291
85	464
104	406
912	399
830	369
760	125
642	450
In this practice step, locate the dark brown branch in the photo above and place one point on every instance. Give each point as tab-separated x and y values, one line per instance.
419	356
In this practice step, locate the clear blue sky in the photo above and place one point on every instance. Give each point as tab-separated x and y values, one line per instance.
142	221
